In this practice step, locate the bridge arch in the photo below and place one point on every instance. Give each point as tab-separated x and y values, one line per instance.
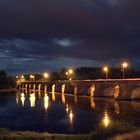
135	94
111	90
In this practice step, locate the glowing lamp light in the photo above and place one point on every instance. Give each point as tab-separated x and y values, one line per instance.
125	65
70	71
106	120
67	73
22	76
46	75
105	69
32	77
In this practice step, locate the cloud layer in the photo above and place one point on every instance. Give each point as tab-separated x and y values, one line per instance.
39	35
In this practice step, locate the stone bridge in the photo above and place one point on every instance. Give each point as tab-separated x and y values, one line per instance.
127	89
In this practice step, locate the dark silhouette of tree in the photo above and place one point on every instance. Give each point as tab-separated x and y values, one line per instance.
6	81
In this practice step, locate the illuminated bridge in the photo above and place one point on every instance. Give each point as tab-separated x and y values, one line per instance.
126	89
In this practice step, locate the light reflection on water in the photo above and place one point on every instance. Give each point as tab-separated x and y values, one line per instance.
61	113
32	100
46	101
106	119
22	99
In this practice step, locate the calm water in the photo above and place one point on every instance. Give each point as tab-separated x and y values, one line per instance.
59	113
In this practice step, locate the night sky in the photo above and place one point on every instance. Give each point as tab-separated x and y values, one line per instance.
41	35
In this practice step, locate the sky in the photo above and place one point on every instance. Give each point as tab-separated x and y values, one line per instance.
47	35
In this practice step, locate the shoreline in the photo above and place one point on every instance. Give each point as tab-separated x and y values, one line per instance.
8	90
112	133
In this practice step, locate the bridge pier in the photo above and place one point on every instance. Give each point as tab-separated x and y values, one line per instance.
129	91
39	87
34	87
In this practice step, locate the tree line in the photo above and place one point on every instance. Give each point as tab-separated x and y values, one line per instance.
6	81
87	73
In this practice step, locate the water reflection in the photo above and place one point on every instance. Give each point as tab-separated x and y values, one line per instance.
46	101
45	89
63	88
63	98
53	96
92	103
67	108
17	99
71	115
71	111
32	100
26	91
53	88
75	99
39	87
106	119
22	99
116	107
39	93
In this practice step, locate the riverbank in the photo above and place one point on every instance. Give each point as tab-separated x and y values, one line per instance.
8	90
129	136
100	134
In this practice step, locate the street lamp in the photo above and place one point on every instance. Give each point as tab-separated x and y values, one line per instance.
124	65
32	77
70	71
69	74
105	69
46	75
22	78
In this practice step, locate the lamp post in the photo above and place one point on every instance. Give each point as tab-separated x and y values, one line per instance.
69	74
124	65
70	71
105	69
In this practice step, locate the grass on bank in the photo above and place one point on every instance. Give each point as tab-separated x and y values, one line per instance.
100	134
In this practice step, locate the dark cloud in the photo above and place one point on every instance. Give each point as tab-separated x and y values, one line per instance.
38	35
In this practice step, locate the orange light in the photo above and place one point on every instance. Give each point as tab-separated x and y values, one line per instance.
46	75
105	69
70	71
125	65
